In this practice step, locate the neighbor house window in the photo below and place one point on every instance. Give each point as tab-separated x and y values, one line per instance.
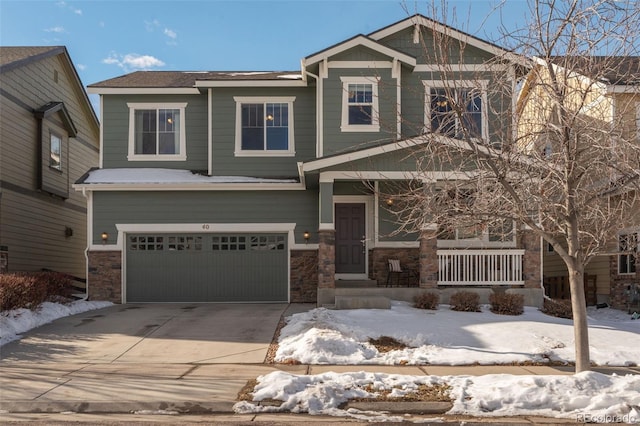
456	111
264	126
628	246
157	132
359	104
55	152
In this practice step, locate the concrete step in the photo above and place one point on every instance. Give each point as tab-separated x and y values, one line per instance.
363	302
356	283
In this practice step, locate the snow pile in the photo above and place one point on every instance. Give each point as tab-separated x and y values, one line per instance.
446	337
587	396
168	176
12	323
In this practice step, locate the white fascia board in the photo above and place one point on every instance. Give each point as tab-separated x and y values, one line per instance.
188	187
143	90
440	28
361	41
252	83
360	64
358	155
461	68
427	176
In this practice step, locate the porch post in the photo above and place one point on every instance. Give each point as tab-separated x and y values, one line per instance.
326	238
531	262
429	256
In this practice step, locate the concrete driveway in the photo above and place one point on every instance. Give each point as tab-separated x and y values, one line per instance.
154	333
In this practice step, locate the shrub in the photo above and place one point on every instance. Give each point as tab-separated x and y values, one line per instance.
426	300
560	308
29	290
506	303
466	301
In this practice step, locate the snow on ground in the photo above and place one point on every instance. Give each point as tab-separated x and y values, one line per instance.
584	397
323	336
447	337
12	323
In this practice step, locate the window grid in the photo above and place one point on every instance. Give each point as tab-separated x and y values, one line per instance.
229	243
627	262
184	243
146	242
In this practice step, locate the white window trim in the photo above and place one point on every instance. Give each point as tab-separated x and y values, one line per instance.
461	84
239	152
182	156
375	119
627	232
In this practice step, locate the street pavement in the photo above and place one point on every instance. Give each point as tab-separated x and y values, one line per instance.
175	364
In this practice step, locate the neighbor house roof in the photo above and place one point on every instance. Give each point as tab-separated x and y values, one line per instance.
613	70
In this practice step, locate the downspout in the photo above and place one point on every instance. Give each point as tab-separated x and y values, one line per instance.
319	133
89	237
210	132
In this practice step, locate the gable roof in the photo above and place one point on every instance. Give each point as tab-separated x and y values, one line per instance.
359	40
436	26
13	57
53	107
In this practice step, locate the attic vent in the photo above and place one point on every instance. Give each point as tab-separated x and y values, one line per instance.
55	76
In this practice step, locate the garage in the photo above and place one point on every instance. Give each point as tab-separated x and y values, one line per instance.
239	267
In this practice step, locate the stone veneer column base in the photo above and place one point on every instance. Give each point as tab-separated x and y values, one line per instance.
327	258
104	280
428	259
531	262
620	284
304	276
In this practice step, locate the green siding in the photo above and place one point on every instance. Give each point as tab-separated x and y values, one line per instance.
224	122
336	141
326	202
387	217
115	116
111	208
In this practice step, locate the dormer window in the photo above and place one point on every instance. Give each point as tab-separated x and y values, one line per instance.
359	104
157	132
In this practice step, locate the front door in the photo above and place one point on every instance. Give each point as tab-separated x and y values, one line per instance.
350	238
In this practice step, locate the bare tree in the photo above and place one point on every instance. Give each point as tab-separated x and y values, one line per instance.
564	162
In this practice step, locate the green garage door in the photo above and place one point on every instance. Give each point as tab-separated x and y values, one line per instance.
207	268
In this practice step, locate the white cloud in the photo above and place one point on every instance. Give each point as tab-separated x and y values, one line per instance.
65	5
59	29
151	25
133	61
170	33
77	11
81	67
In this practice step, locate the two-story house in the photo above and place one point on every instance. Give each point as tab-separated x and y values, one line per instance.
49	137
603	93
265	186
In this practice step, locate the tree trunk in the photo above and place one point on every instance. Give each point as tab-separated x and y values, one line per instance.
580	326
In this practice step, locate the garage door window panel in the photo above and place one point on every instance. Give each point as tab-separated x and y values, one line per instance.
146	242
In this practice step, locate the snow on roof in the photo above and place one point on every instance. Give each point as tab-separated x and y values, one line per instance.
168	176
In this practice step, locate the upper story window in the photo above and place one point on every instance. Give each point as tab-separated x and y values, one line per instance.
157	132
360	104
264	126
628	245
55	152
457	111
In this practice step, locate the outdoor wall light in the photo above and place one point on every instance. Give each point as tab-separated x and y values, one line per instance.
105	237
389	202
306	236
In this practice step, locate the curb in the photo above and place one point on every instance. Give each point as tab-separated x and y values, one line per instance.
117	407
400	407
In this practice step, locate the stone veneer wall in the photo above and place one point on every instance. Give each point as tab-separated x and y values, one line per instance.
618	296
378	269
104	280
304	276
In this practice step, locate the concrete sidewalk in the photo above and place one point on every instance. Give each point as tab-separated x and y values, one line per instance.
182	388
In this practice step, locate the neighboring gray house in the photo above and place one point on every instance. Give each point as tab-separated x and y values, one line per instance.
49	137
249	186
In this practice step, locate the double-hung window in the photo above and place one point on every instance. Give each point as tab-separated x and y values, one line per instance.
157	132
628	246
360	104
264	126
456	111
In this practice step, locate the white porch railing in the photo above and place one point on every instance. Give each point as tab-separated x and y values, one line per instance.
480	267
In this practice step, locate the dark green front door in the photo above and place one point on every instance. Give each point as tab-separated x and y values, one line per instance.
350	236
206	268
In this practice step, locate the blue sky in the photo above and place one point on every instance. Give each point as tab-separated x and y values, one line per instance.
109	38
